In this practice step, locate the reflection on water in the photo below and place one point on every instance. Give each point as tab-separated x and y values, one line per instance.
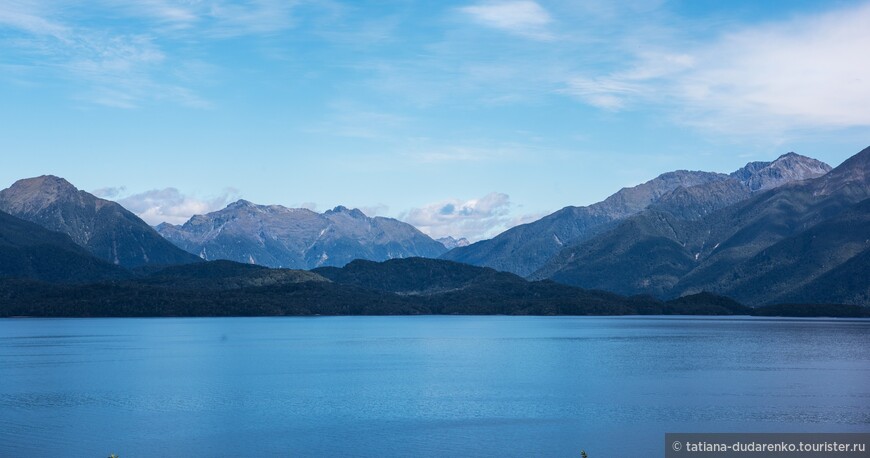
430	386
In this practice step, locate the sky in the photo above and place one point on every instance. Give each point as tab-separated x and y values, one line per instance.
463	118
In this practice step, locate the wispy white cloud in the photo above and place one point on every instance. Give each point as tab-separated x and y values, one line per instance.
616	90
309	205
218	19
169	204
114	69
474	219
123	72
801	73
165	10
109	192
170	13
770	78
608	92
251	17
126	67
375	210
468	66
774	79
525	17
28	16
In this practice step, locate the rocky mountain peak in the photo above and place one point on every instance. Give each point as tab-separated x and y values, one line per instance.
761	176
628	201
795	161
241	203
104	228
853	172
341	209
450	242
33	194
857	164
163	226
46	183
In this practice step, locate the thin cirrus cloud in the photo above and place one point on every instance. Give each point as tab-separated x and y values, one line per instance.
130	66
776	77
474	219
525	18
216	19
168	205
113	69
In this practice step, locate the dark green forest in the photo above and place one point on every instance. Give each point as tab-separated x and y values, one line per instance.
412	286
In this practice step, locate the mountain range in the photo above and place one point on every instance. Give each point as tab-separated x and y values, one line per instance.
527	248
801	241
297	238
789	231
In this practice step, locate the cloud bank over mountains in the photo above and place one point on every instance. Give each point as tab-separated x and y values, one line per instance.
167	205
474	219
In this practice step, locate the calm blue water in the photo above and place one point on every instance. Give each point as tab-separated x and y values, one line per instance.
420	386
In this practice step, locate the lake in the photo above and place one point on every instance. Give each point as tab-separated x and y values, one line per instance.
420	386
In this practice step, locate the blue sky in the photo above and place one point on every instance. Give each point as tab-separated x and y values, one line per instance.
463	118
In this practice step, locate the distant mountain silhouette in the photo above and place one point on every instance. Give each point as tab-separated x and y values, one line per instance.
104	228
298	238
525	249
